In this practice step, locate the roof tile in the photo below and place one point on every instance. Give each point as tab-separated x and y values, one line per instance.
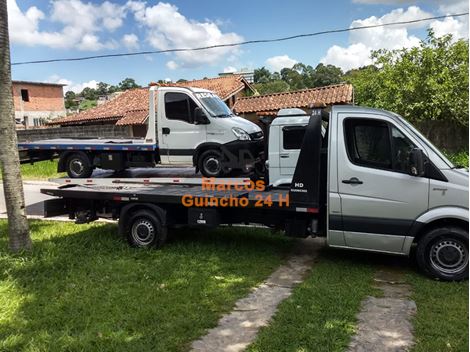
305	98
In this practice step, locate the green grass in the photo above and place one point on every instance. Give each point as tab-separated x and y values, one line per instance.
459	159
42	170
320	315
83	289
441	323
87	104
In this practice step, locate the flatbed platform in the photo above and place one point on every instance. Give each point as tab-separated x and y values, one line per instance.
89	144
168	194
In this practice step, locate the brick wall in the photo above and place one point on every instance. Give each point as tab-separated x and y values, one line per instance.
96	131
41	97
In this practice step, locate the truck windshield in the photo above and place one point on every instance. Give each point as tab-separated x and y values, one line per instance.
425	140
214	105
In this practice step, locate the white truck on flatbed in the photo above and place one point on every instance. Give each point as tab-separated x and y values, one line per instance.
186	126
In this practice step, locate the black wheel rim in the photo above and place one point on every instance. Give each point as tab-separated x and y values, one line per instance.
143	232
448	256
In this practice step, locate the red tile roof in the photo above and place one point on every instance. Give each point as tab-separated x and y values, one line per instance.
306	98
131	107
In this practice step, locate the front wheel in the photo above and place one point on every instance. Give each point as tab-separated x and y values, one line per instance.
211	164
145	230
443	253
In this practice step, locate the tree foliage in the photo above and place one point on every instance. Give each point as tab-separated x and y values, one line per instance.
429	82
300	76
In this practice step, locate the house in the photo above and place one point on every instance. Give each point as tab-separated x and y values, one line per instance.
131	107
255	107
37	102
249	75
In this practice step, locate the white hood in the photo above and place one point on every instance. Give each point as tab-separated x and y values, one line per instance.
244	124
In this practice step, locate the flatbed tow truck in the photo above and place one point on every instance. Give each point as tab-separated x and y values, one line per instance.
370	182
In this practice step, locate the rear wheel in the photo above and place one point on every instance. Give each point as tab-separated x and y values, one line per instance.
443	253
144	230
211	164
78	166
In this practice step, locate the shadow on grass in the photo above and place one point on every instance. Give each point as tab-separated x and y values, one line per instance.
83	288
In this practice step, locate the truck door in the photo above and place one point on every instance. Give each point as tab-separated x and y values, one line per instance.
180	136
291	140
379	199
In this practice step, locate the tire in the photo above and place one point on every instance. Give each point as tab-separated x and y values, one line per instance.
145	230
78	166
442	253
210	164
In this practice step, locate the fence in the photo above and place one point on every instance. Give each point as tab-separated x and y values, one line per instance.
94	131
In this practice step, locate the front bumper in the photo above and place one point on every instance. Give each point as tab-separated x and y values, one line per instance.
243	154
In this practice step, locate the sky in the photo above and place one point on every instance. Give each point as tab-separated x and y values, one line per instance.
75	28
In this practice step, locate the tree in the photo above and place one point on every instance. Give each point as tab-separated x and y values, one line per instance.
70	100
102	88
429	82
128	83
325	75
18	228
89	93
262	75
277	86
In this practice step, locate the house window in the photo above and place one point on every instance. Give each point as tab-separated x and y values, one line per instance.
37	122
24	95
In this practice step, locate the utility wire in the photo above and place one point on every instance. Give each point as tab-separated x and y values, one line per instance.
239	43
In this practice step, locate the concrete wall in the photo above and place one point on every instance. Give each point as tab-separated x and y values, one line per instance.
445	135
96	131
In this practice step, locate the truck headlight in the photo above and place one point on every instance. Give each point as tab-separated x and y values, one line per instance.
240	134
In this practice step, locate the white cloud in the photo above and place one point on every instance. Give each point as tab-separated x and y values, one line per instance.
363	41
70	85
277	63
78	87
230	69
80	24
130	41
59	80
450	25
172	65
167	28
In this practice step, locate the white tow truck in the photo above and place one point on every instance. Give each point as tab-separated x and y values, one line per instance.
363	178
186	126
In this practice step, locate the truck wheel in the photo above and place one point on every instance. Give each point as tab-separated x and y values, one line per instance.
78	166
144	230
443	253
211	164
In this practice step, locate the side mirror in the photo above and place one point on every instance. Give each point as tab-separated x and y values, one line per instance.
199	117
416	162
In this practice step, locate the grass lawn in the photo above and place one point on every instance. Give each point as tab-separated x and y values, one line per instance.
84	289
320	315
441	323
42	170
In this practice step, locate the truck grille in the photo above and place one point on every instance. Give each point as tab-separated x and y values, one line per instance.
256	136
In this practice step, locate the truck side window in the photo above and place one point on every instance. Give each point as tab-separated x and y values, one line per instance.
368	143
401	147
292	137
178	106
